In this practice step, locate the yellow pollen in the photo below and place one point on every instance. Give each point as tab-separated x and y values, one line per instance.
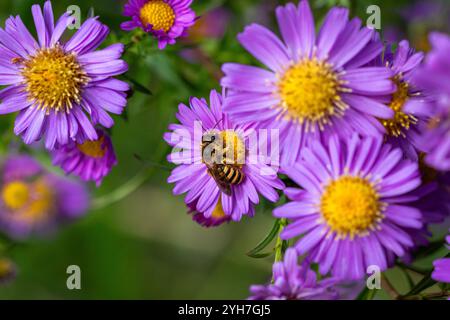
401	121
309	92
93	149
227	148
159	14
218	212
54	79
351	206
15	195
233	147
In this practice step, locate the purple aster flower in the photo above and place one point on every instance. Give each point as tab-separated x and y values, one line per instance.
409	103
441	271
432	198
217	218
165	19
241	177
90	160
36	201
55	84
316	85
434	76
295	282
352	210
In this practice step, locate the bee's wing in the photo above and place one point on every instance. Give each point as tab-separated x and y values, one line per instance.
225	188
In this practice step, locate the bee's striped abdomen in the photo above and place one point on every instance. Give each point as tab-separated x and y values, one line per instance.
230	175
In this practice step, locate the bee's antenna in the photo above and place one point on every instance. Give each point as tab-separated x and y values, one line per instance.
215	126
217	123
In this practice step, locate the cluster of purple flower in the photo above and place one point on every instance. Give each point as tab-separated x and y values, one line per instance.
55	86
64	92
363	131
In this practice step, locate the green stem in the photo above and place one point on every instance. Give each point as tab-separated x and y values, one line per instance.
135	39
413	269
281	245
443	294
408	277
123	191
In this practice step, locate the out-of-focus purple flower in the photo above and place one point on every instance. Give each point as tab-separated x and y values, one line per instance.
35	201
318	85
165	19
351	210
433	200
194	177
392	34
53	85
90	160
441	271
409	103
423	10
292	281
212	24
421	17
8	271
434	76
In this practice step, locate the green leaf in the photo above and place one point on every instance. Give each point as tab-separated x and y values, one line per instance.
260	255
266	241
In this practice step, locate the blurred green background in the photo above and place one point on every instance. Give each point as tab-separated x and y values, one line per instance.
145	246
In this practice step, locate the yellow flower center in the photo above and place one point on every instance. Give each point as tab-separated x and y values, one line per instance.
351	206
225	147
54	79
28	201
218	212
6	268
401	121
159	14
15	195
41	204
93	149
309	92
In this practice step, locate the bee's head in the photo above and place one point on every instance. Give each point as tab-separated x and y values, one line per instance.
210	137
